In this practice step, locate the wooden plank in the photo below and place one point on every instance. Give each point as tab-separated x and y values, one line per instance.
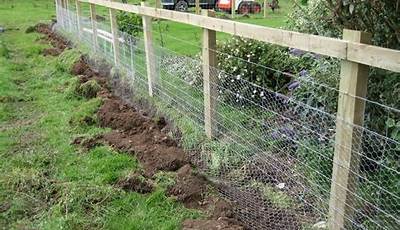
150	59
265	8
114	31
92	8
368	55
374	56
312	43
353	87
78	18
99	35
209	57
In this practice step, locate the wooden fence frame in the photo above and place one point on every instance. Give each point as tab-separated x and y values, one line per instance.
354	51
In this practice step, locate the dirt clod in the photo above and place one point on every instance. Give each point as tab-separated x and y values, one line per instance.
87	142
189	188
135	183
58	42
51	52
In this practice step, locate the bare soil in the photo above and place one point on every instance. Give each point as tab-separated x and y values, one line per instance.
58	42
134	132
136	183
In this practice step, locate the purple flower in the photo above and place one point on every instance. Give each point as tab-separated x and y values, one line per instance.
288	132
294	85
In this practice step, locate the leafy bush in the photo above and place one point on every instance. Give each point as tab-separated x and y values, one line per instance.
275	68
129	23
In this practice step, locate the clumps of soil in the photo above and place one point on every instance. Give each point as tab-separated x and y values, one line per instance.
51	52
135	133
135	183
87	142
189	188
58	42
221	217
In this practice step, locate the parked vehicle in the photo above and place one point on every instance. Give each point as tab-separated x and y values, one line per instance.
183	5
241	6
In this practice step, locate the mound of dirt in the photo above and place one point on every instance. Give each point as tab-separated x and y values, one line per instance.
51	52
58	42
189	188
135	183
87	142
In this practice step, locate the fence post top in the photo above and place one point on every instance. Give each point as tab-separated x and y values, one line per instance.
357	36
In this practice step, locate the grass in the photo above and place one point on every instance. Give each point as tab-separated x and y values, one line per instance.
45	182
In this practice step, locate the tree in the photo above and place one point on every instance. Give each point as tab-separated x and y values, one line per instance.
379	17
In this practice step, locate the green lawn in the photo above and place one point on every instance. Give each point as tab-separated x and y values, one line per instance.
45	182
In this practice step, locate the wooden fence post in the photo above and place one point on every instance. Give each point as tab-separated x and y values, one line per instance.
150	58
265	8
209	78
94	26
158	4
353	87
115	35
78	18
197	6
233	8
57	11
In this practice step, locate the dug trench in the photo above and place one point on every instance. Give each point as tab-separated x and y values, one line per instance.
136	133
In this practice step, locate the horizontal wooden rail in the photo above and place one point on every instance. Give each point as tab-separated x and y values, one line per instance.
365	54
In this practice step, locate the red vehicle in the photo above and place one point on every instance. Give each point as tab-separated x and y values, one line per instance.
241	6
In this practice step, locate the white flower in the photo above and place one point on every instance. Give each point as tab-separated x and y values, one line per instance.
281	185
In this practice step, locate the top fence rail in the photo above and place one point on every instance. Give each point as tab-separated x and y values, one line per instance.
375	56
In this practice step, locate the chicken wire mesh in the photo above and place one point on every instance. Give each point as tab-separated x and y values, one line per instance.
273	154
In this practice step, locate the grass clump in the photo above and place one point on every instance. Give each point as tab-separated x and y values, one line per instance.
4	51
88	89
86	113
66	59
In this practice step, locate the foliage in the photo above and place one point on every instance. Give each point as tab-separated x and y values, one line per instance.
129	23
275	68
329	18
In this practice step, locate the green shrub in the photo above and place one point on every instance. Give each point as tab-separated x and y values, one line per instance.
274	68
129	23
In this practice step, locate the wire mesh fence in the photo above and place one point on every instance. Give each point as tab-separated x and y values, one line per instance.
273	153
